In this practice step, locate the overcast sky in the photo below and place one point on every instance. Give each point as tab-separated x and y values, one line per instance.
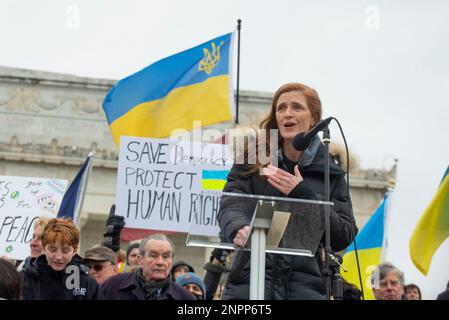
380	67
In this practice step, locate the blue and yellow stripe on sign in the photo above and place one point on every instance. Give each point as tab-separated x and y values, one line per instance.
193	85
214	179
369	247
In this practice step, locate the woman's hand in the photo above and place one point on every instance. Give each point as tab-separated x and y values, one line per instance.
281	179
241	236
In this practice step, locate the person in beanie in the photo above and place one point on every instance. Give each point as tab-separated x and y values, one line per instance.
193	283
180	267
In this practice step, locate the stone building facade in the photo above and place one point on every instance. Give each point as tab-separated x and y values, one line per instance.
49	122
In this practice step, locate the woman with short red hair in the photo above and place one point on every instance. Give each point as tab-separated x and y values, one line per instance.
296	108
58	273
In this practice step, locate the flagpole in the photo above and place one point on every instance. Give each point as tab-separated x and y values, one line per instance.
387	216
390	190
239	26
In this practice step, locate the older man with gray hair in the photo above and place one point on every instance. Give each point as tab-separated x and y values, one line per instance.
150	281
388	282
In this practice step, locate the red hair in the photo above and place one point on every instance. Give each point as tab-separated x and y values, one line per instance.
63	231
313	103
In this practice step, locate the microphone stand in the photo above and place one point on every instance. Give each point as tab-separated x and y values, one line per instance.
331	269
327	229
332	278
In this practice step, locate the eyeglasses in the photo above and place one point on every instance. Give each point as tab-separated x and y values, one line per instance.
96	266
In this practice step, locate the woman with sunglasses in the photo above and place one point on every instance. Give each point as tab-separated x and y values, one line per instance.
58	273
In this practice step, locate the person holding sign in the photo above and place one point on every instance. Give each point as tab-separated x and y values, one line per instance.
295	108
58	274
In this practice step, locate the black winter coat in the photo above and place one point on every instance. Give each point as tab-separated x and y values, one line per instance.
287	276
41	282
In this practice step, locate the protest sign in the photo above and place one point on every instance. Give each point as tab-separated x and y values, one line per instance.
163	184
22	201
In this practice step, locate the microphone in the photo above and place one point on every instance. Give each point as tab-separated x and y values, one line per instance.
302	140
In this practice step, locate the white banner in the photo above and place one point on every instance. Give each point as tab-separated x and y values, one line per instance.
22	201
162	184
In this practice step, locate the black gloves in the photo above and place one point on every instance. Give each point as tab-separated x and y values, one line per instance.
114	225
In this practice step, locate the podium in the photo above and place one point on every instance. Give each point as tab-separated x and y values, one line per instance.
277	225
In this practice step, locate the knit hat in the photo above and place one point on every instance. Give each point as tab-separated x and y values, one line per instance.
192	278
180	263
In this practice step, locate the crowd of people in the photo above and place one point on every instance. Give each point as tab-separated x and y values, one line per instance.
55	270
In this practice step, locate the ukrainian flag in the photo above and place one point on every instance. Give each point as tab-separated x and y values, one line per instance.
214	179
193	85
432	229
369	247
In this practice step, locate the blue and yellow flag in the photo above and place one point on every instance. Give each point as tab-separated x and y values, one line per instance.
432	229
193	85
214	179
369	242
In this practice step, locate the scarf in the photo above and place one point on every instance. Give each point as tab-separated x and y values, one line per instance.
151	288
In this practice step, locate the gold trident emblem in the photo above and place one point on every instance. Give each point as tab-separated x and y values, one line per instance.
210	60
